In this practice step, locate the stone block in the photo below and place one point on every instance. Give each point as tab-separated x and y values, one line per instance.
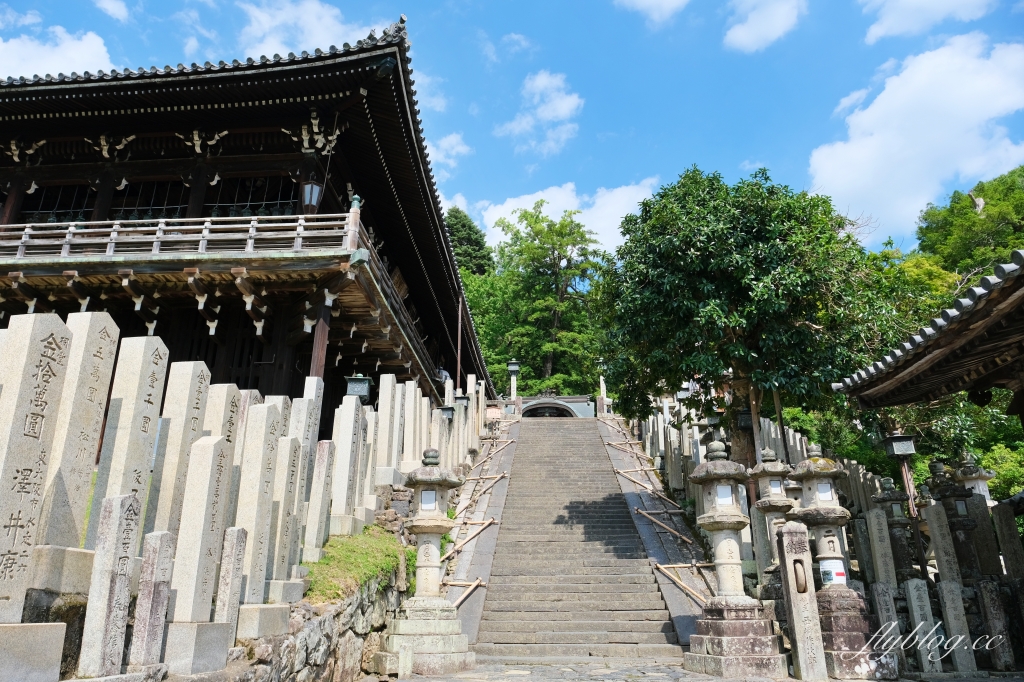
996	624
955	620
31	652
262	620
151	605
145	673
388	476
284	591
402	626
255	495
739	666
65	570
346	524
192	648
733	628
866	666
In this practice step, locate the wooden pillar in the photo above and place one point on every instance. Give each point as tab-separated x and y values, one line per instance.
104	187
316	364
12	206
197	191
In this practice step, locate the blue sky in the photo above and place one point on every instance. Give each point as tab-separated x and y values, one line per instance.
884	105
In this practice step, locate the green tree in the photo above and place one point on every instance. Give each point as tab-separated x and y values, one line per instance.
748	286
967	236
468	242
537	305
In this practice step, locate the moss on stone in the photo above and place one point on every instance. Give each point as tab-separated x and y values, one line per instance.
351	560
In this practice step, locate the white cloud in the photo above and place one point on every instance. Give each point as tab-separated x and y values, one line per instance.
295	25
656	10
921	132
115	8
543	124
459	201
11	19
750	166
428	94
191	46
756	24
59	51
601	212
511	43
446	153
850	101
910	17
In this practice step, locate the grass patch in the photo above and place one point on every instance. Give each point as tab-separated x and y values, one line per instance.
351	560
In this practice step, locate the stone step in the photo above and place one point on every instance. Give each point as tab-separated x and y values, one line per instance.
624	579
643	601
645	596
652	615
575	626
582	570
569	537
604	650
571	637
559	562
496	589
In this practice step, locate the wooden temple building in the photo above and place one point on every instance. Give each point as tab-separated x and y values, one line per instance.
276	218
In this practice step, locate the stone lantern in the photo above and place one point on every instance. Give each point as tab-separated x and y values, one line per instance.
771	476
891	502
954	499
734	637
428	624
975	478
846	627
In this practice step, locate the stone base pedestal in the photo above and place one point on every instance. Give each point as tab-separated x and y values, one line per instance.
31	652
734	639
192	648
284	591
846	628
388	476
65	570
346	524
262	620
430	629
142	673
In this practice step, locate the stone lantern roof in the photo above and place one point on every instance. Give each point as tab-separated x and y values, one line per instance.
818	467
970	471
432	474
718	467
769	466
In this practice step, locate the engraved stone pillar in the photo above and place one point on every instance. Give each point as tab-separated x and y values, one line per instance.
797	579
1009	539
181	425
881	547
256	495
318	518
131	428
79	425
247	399
412	427
281	587
954	500
106	616
224	418
229	587
996	624
734	638
151	605
919	606
32	375
349	437
199	542
949	587
890	501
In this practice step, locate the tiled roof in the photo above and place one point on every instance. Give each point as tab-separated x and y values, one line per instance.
926	338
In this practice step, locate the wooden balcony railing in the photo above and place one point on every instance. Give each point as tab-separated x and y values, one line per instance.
248	235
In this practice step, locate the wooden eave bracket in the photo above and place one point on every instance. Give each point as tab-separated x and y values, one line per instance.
255	307
78	289
29	295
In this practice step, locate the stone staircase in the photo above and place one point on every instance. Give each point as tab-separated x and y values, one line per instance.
570	576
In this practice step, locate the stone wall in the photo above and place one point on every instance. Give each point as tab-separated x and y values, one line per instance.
326	642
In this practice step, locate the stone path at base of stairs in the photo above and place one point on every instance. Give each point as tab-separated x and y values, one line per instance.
570	576
601	670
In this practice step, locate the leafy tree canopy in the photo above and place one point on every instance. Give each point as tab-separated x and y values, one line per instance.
977	229
716	283
536	305
468	242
